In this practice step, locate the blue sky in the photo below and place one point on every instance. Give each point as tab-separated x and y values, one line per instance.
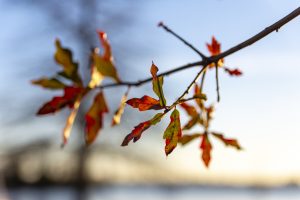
261	108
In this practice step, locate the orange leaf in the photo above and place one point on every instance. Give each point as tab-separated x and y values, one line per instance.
233	72
191	110
145	103
228	141
136	133
118	113
192	122
68	99
206	149
94	118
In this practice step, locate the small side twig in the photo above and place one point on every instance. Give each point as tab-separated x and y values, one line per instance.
217	81
161	24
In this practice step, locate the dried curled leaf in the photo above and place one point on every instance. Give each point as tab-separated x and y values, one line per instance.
185	139
233	72
94	118
118	113
71	93
145	103
136	133
227	141
157	83
173	132
206	149
64	57
104	63
49	83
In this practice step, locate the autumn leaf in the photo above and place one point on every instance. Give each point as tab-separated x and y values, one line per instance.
228	141
157	83
144	103
96	76
64	57
199	101
206	149
185	139
173	132
190	110
94	118
233	72
70	121
71	93
214	49
104	62
118	113
49	83
136	133
192	122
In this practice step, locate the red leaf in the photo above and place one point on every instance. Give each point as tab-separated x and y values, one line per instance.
233	72
214	48
145	103
94	118
70	95
228	141
136	133
206	149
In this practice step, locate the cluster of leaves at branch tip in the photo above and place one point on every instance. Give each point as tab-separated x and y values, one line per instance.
202	115
102	66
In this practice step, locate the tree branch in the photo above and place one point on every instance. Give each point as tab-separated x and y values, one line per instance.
205	62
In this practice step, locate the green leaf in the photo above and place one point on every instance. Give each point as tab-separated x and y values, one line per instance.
157	83
64	57
173	132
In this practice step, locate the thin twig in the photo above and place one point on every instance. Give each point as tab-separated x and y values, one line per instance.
202	80
161	24
212	59
217	82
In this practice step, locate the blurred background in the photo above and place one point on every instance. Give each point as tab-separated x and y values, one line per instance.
261	108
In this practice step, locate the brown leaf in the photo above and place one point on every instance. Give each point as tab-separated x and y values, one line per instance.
94	118
185	139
